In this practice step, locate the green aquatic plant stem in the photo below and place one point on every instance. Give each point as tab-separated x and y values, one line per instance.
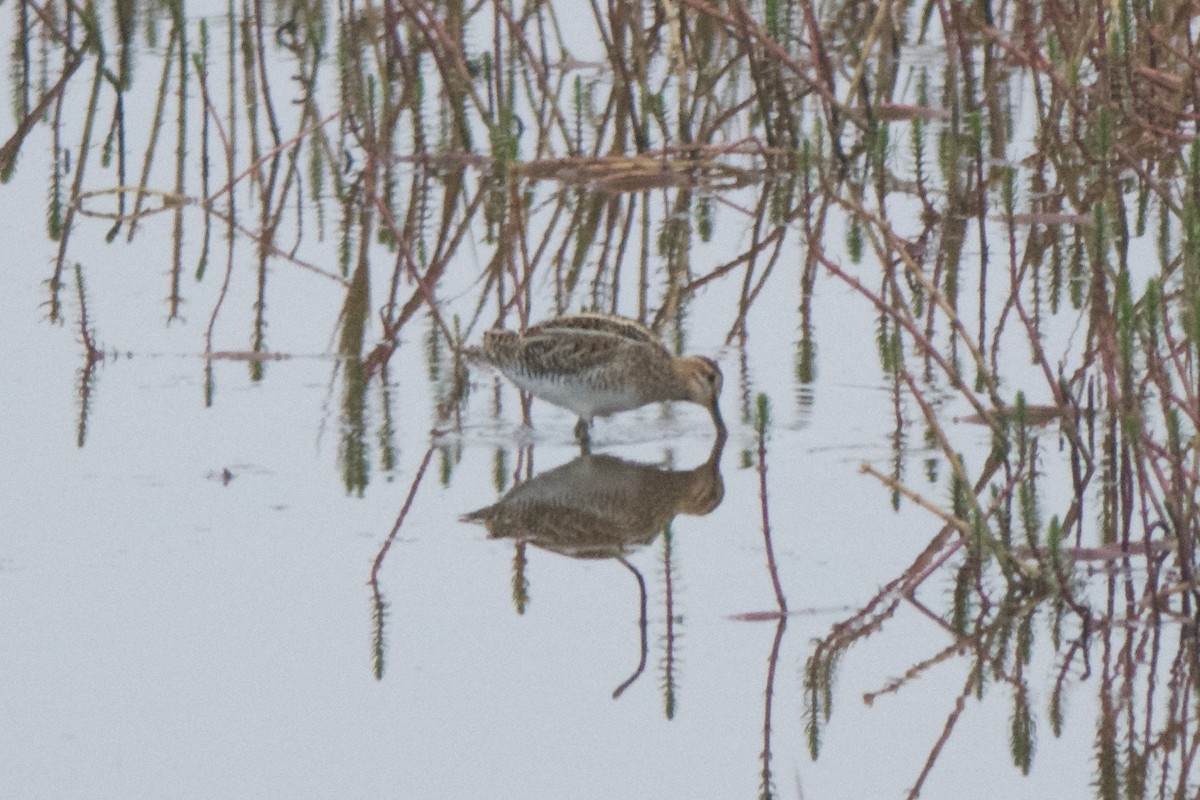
81	164
762	421
873	223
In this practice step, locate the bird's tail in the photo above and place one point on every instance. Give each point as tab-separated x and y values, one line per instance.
472	354
498	347
481	516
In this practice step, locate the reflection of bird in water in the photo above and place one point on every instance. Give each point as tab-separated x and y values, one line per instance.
602	507
605	507
596	365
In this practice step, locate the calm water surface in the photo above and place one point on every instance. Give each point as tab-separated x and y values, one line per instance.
242	576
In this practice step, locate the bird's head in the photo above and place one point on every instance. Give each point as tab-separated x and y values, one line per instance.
703	380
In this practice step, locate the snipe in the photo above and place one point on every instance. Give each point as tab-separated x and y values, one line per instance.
596	365
599	506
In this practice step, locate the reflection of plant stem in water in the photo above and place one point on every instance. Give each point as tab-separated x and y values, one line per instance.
806	345
899	438
602	507
8	151
766	787
762	420
81	162
200	63
181	133
155	127
822	664
751	287
520	582
353	446
523	471
387	426
669	638
448	242
91	357
988	642
379	607
898	247
745	388
969	688
1135	355
227	148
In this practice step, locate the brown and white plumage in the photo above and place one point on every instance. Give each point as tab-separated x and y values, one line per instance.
602	507
596	365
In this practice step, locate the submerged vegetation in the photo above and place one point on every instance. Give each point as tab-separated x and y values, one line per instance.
1013	187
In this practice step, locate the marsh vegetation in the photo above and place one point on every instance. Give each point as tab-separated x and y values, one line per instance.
1007	193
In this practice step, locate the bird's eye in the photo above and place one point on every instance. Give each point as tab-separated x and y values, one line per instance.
712	378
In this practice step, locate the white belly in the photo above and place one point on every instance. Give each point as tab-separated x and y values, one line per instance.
584	399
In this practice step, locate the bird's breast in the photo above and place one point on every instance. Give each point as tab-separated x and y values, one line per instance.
587	395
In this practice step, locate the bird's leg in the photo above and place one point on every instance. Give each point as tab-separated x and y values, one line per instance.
526	402
581	432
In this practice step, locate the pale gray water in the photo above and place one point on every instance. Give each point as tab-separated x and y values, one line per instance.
168	634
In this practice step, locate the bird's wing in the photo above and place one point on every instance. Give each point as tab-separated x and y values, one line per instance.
600	323
564	351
